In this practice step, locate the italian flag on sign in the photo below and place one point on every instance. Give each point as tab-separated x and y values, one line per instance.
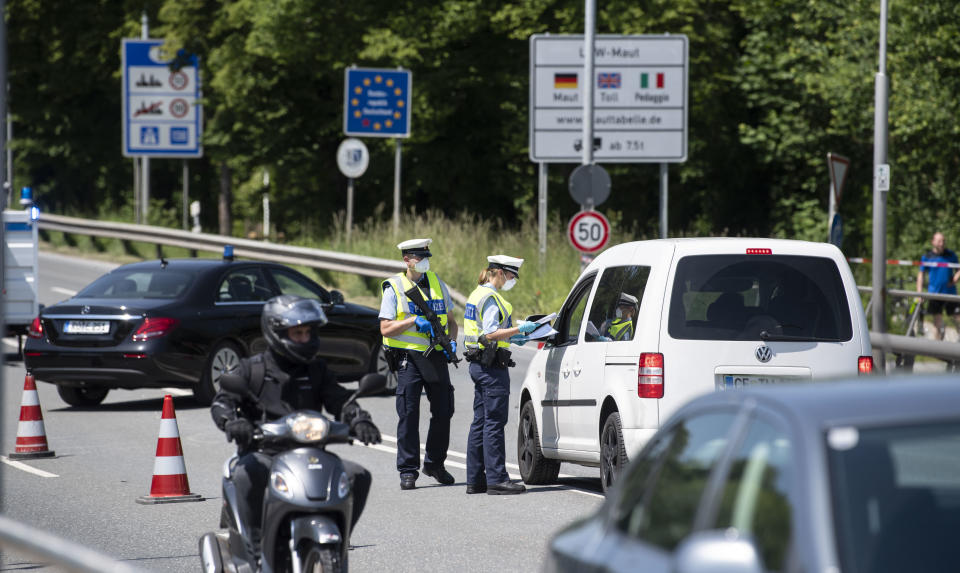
645	80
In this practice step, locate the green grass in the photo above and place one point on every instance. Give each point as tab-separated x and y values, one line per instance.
460	248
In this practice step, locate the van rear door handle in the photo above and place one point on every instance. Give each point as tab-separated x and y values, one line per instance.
565	372
577	368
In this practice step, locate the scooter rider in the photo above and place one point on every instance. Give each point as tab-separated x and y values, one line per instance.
285	378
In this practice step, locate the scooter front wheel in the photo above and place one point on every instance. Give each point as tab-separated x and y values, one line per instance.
322	559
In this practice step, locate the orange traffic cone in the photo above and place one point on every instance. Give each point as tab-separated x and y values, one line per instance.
31	436
169	472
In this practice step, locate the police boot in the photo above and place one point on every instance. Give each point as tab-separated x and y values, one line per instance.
506	488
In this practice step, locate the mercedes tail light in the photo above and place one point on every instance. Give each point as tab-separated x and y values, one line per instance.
865	365
154	327
36	328
650	375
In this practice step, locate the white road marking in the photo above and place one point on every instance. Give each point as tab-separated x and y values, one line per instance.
423	448
62	290
26	468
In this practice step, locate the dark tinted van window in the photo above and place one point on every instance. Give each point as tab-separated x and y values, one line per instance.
757	297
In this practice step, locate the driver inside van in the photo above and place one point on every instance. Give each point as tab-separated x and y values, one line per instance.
621	326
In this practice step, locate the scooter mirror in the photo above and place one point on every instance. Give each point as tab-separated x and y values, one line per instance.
372	384
233	383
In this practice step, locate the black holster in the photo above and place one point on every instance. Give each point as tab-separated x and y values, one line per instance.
394	357
490	355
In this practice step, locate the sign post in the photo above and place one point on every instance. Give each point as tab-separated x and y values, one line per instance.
352	159
162	114
632	108
376	103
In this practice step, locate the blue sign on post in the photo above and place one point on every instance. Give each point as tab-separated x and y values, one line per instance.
162	115
377	102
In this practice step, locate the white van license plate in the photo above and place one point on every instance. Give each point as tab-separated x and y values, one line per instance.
731	381
86	327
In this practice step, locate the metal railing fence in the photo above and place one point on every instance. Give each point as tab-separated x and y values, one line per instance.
47	546
375	267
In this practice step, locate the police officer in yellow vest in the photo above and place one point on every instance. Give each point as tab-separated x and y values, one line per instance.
487	332
621	327
406	338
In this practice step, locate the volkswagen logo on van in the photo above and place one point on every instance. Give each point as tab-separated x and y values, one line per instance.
763	353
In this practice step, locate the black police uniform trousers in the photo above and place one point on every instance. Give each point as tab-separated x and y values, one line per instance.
250	477
486	449
410	384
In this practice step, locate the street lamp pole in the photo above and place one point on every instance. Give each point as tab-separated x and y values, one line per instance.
881	184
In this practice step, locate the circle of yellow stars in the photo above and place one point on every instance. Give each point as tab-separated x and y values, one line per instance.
378	79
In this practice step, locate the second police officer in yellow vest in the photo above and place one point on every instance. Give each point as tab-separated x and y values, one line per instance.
406	338
488	330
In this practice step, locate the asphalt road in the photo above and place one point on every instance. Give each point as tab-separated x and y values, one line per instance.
104	461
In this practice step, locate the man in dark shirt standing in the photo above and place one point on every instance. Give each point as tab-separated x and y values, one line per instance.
943	280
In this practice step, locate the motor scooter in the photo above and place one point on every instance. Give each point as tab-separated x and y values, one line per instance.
307	509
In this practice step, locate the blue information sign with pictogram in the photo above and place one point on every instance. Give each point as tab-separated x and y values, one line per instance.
377	102
162	115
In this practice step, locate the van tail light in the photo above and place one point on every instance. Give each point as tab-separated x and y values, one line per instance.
650	375
759	251
154	328
865	365
36	328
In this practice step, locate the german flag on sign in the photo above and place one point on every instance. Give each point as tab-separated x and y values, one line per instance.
564	81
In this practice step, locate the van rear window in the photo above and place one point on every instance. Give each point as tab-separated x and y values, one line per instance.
752	297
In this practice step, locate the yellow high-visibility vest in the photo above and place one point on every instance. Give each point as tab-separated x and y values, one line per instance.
621	329
410	339
473	316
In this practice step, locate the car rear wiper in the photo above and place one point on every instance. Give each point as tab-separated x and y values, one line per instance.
767	335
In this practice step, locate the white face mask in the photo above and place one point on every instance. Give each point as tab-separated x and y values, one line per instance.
422	266
509	284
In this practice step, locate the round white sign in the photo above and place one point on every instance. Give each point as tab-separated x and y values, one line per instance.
353	158
588	231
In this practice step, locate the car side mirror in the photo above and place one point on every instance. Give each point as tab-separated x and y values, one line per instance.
717	552
372	384
336	297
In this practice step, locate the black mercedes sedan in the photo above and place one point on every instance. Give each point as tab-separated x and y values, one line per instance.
181	323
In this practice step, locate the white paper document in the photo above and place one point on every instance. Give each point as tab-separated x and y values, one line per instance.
544	330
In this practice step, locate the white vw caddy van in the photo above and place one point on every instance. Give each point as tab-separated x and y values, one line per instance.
651	324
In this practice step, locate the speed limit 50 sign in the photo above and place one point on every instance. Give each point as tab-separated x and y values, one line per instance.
588	231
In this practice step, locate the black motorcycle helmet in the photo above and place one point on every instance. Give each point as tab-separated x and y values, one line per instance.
282	312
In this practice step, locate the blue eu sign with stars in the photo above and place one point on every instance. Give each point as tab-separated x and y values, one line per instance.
377	102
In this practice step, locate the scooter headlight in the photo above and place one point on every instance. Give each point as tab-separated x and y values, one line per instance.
308	428
280	484
343	485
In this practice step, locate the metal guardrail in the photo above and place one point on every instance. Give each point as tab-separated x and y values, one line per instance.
374	267
900	344
262	250
72	556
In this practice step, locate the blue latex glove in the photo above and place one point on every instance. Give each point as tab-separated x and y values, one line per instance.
453	345
423	325
603	338
526	327
519	339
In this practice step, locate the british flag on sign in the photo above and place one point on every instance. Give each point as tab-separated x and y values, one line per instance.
608	80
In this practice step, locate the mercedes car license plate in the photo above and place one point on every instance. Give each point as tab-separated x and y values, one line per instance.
86	327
